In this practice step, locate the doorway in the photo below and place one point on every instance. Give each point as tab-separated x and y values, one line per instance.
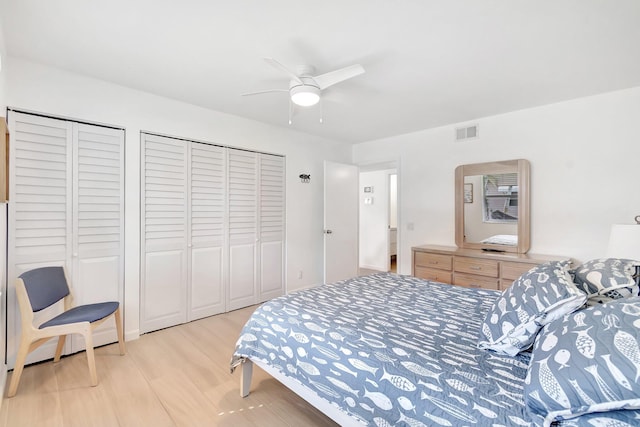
393	222
378	218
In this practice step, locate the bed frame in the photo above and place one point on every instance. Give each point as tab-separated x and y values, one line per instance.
298	388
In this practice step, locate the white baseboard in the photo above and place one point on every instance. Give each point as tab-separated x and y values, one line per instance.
374	267
313	285
132	335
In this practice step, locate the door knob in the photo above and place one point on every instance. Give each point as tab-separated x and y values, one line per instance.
328	231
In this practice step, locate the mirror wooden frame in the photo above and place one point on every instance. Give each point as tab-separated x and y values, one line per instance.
523	169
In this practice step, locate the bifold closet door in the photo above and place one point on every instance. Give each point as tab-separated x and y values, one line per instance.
207	239
98	222
242	228
271	224
164	231
66	192
212	230
183	228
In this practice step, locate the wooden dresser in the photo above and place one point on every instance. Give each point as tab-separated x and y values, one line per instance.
473	268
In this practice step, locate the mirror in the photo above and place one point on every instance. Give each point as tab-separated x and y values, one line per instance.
492	206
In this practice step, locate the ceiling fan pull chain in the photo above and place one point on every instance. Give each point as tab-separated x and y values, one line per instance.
321	111
290	108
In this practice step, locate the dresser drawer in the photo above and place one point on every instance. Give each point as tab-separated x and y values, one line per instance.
513	270
441	262
476	266
433	274
471	281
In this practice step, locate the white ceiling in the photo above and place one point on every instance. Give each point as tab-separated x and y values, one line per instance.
428	62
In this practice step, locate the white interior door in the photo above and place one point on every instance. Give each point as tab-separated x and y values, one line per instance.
340	221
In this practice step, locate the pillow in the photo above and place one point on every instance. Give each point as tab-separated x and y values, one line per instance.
539	296
502	239
586	362
606	279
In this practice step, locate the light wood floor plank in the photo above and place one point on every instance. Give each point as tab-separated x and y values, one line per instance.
131	395
174	377
87	407
183	400
33	409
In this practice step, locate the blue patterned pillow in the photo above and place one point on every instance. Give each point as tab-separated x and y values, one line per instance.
606	279
541	295
586	362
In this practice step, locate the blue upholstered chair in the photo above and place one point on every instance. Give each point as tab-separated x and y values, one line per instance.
40	288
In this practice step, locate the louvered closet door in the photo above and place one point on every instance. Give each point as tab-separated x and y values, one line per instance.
164	233
98	222
67	192
40	208
242	228
207	243
272	209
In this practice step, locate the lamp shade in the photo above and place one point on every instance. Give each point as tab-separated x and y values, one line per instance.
624	241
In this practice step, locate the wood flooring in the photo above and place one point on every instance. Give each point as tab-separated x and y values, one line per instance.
174	377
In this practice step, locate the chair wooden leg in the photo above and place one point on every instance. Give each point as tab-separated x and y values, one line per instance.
91	359
59	347
23	351
120	331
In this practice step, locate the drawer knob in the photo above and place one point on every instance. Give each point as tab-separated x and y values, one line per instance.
475	267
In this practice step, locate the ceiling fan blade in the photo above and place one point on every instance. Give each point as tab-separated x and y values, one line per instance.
279	66
265	91
329	79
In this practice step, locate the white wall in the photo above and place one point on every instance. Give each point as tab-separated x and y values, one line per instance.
52	91
584	172
393	200
374	220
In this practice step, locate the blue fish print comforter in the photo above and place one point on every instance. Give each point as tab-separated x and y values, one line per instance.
391	350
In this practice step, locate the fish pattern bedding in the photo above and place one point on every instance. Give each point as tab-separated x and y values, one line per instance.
391	350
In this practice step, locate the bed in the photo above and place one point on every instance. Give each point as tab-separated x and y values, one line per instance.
502	239
390	350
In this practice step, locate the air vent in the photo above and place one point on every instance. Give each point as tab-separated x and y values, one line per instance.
467	132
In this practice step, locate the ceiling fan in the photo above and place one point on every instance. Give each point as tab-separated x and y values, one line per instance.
305	88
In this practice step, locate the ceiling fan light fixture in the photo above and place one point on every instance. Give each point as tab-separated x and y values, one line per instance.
305	95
